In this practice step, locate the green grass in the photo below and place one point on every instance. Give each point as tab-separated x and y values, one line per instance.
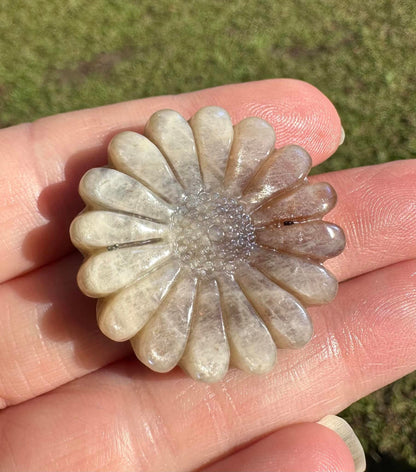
386	424
57	56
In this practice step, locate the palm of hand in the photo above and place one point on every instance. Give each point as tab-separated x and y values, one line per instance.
100	409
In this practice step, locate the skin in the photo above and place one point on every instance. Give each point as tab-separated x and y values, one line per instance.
74	400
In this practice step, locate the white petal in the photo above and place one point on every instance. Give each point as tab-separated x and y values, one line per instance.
173	136
161	343
138	157
207	353
308	281
213	131
96	229
253	141
108	188
315	239
283	169
108	271
122	315
252	347
285	317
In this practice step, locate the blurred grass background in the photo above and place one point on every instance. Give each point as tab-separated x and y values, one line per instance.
58	56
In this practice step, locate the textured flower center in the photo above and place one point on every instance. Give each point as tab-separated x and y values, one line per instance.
211	232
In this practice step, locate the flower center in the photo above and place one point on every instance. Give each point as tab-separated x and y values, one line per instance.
211	232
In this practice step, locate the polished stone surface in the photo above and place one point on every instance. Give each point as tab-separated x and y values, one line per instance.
204	244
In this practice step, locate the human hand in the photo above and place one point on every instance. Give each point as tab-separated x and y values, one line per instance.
82	402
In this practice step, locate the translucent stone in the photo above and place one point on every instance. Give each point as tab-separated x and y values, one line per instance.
211	233
306	202
253	141
315	239
309	281
138	157
103	188
109	271
213	133
171	133
122	315
283	169
204	244
252	347
285	317
161	343
97	229
207	353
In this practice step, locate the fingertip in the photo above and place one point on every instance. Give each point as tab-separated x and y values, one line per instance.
299	112
346	433
303	115
303	446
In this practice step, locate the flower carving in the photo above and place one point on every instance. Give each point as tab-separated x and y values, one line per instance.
204	244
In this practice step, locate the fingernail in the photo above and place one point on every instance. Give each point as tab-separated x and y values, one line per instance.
344	430
342	136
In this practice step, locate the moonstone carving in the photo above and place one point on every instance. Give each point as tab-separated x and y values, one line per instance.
204	244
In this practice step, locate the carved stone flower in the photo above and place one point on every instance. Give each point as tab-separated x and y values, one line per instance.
204	243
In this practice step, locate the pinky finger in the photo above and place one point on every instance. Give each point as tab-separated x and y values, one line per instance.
329	445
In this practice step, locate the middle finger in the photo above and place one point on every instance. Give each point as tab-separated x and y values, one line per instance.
49	332
127	418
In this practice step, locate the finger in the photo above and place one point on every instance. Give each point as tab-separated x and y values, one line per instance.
55	323
42	163
144	421
376	208
46	310
298	447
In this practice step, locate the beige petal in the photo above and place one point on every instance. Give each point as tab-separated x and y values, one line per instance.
173	136
138	157
307	280
284	316
103	188
213	133
207	353
316	239
253	141
97	229
283	169
122	315
252	347
161	343
305	202
109	271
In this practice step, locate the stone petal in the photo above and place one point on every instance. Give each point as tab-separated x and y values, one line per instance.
283	169
173	136
103	188
285	317
96	229
161	343
307	280
316	239
207	353
252	347
122	315
213	133
138	157
253	141
305	202
109	271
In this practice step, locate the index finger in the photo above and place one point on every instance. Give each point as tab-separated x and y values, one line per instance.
43	162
